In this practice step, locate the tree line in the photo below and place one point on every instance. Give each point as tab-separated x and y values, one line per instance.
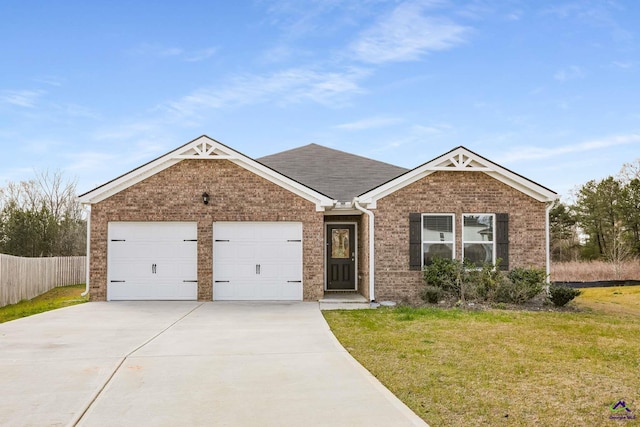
42	217
603	222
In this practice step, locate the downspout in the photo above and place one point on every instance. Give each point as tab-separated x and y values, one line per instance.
550	206
372	264
88	256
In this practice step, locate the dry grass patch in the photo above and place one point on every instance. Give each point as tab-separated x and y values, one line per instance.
593	271
465	368
613	300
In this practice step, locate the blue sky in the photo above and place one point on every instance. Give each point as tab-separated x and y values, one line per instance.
549	89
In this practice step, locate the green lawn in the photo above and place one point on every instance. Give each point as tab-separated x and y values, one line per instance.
499	367
617	299
59	297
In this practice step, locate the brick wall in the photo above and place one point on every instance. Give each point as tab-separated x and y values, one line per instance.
457	193
175	194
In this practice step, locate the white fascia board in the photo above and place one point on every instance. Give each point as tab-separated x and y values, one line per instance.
321	201
370	198
539	193
125	181
204	148
459	160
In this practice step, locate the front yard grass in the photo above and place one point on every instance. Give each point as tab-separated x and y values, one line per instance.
614	300
59	297
498	367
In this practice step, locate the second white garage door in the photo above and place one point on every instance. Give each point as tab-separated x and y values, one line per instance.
257	261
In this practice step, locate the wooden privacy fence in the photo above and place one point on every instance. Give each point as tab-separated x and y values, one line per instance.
24	278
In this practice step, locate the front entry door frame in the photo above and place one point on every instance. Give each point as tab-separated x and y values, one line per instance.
327	255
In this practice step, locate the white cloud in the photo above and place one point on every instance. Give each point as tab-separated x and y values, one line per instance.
406	35
623	65
199	55
21	98
535	153
414	139
74	110
158	51
128	131
49	80
285	87
569	73
369	123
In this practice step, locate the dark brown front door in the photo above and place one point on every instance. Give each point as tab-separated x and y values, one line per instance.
341	257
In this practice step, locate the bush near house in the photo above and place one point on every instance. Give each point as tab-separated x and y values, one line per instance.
561	295
468	282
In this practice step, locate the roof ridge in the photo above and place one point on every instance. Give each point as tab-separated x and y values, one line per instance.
335	150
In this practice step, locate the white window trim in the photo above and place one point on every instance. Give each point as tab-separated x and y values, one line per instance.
493	237
423	241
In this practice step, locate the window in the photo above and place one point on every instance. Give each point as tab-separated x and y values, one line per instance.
438	237
485	238
478	245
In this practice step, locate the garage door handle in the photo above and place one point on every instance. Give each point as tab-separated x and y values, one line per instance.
154	268
116	281
294	281
222	281
257	268
190	281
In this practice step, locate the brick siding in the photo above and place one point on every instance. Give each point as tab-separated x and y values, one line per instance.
457	193
175	194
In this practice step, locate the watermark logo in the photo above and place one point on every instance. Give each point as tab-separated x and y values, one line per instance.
621	411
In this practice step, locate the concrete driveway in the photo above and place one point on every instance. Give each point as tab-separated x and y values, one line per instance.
186	364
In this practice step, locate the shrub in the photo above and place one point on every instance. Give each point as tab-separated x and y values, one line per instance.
431	294
450	275
509	292
441	273
531	281
561	295
468	282
487	280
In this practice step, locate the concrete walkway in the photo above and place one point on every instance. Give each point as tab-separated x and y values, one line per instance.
186	364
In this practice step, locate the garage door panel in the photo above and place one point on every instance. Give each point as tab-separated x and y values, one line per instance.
152	291
263	292
148	231
152	260
236	271
257	261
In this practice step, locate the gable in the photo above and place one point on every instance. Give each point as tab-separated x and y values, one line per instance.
460	159
205	149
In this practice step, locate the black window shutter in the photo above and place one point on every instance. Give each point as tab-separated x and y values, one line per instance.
415	241
502	240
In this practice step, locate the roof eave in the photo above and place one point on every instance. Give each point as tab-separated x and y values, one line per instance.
460	159
204	148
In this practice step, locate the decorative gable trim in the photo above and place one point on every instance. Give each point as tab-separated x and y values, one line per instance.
463	160
459	161
203	148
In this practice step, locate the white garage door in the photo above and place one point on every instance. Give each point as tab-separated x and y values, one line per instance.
257	261
152	261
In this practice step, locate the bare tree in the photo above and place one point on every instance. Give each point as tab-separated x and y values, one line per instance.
42	217
630	171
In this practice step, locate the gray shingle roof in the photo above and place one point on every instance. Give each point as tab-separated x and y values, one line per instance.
334	173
